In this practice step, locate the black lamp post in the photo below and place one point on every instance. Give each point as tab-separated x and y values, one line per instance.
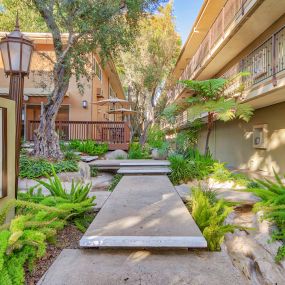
16	51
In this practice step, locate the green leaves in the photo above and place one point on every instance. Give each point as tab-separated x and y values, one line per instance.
210	215
90	147
34	168
272	195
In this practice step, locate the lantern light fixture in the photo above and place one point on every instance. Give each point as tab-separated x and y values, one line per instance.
16	51
84	104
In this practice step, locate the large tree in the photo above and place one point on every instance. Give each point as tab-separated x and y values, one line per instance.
145	68
107	26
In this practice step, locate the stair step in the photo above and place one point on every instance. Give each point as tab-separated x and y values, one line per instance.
144	170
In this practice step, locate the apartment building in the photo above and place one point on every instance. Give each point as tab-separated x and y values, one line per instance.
232	36
76	106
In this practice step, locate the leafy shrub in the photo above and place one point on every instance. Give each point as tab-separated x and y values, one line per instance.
71	155
188	139
180	169
210	214
156	137
272	195
136	151
90	147
222	174
93	171
116	179
37	167
193	166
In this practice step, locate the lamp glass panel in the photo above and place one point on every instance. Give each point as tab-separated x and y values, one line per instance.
15	49
5	56
26	55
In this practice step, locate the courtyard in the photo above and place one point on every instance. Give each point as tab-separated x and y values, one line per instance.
135	152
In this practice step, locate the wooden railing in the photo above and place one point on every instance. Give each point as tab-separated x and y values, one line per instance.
116	134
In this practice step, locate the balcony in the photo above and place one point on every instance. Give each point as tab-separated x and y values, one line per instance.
265	64
230	34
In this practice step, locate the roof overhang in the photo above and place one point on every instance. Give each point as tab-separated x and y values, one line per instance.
208	13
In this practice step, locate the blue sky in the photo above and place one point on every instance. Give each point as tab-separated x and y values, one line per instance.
186	12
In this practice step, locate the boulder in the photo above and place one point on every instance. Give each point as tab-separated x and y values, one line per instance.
158	155
116	154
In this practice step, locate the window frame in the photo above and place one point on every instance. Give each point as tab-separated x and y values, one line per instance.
3	189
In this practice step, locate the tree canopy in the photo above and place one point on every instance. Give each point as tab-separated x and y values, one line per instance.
145	68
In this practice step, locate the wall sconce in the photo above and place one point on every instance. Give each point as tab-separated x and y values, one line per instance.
84	104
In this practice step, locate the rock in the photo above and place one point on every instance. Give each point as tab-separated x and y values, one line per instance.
88	158
249	249
184	192
157	155
84	170
232	195
116	154
28	145
102	181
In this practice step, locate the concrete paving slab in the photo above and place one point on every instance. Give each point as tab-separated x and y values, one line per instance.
118	163
144	170
101	198
129	267
88	158
144	211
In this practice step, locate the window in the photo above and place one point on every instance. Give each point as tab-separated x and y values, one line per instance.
3	153
112	94
259	63
260	133
97	69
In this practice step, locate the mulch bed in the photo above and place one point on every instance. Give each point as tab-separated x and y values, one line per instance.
67	238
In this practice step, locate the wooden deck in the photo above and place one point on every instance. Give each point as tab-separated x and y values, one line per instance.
116	134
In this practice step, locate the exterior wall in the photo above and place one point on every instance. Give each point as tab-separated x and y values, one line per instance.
39	84
232	142
10	105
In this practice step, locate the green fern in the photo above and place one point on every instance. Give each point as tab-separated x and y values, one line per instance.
272	195
210	215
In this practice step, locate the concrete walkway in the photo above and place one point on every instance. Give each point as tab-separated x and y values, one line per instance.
133	267
144	211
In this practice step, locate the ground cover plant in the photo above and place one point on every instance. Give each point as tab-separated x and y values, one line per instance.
272	195
89	147
116	179
210	214
24	239
221	174
137	151
189	167
192	165
32	167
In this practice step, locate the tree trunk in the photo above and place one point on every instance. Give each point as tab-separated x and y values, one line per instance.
210	125
45	137
143	136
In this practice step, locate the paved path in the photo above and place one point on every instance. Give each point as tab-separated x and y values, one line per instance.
144	211
132	267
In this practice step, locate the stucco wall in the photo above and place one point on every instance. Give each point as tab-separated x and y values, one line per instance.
232	142
10	105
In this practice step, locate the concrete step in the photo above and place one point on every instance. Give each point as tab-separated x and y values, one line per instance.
144	170
144	212
118	163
